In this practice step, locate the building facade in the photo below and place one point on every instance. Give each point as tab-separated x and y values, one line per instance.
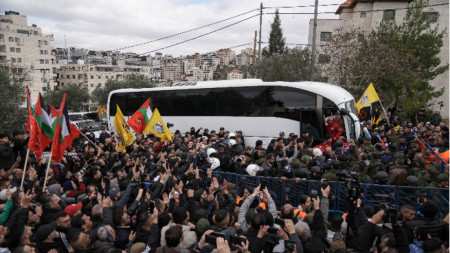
367	15
27	50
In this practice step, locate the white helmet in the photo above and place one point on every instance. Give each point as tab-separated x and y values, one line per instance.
215	163
252	169
209	151
232	142
231	135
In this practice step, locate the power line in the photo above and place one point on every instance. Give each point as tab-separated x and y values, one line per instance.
299	6
187	31
197	37
331	12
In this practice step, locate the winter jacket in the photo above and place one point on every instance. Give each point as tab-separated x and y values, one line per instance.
436	227
7	157
397	176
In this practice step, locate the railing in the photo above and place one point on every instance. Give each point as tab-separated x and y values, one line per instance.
441	162
289	191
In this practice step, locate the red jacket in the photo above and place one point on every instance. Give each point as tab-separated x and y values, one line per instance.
335	130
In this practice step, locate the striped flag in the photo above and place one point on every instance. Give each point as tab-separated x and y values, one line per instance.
140	118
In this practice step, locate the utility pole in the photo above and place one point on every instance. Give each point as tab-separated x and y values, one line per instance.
313	51
260	27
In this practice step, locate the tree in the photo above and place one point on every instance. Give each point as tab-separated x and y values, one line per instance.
276	39
100	95
76	99
13	105
293	65
399	59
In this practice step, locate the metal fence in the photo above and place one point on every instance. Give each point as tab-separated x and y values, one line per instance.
289	191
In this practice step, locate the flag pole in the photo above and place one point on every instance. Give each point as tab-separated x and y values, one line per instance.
385	114
46	171
24	168
88	139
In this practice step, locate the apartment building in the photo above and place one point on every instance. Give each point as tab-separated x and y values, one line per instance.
367	15
243	59
235	74
26	49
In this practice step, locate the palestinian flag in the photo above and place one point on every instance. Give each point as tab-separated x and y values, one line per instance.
139	120
30	110
65	133
42	132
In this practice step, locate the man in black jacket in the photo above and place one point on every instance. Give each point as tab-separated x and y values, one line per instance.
7	156
436	227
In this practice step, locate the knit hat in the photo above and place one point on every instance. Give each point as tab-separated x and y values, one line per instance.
113	182
202	226
55	189
3	135
67	186
43	231
113	192
248	148
72	209
440	178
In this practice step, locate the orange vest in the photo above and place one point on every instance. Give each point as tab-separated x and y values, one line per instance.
263	205
444	155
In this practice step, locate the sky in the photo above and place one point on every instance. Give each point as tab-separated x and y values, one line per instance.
119	24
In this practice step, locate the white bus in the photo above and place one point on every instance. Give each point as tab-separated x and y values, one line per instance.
259	109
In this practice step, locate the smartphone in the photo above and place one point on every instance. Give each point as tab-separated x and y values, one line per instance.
211	238
263	185
324	183
289	246
279	221
313	194
151	206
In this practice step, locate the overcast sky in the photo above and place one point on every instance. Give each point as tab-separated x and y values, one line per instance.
114	24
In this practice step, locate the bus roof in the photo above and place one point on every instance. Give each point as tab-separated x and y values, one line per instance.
332	92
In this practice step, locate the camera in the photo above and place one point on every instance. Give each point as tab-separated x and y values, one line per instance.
239	159
272	230
279	221
263	185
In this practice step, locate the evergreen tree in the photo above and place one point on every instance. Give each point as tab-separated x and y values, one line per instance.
276	39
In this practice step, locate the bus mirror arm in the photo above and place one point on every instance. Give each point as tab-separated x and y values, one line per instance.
169	125
344	112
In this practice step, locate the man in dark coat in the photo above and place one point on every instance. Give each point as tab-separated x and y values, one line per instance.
7	156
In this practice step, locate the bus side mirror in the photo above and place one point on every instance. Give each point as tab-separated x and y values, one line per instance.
344	112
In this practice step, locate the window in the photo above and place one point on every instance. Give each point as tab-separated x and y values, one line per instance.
13	60
11	49
73	77
92	77
99	85
45	51
325	36
106	77
388	14
47	61
68	76
362	14
16	39
45	42
17	50
62	84
431	16
92	85
41	61
99	77
19	60
41	51
324	58
11	39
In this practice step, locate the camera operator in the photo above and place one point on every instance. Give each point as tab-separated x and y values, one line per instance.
240	164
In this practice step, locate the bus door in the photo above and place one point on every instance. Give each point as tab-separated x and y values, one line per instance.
310	120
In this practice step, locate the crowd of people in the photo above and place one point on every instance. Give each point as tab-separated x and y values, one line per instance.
150	196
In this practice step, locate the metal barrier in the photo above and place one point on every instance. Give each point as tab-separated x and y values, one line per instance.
289	191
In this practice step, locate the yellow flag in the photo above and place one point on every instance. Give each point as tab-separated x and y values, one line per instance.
122	128
376	121
369	96
157	126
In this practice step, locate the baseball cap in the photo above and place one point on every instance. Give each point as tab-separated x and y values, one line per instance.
72	209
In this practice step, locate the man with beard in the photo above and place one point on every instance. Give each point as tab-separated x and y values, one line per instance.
62	226
197	200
